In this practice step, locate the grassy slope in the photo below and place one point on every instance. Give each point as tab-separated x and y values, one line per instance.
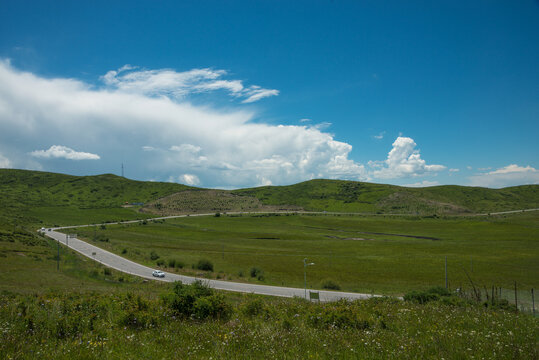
350	196
31	196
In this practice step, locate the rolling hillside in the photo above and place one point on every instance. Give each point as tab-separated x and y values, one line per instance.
351	196
36	193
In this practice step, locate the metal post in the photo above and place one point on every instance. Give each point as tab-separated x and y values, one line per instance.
305	274
446	272
516	303
58	256
67	239
533	304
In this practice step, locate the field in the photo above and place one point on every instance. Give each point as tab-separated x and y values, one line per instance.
84	310
383	255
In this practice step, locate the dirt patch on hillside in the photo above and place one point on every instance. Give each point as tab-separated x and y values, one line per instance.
208	201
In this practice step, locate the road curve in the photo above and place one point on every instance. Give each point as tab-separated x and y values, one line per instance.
127	266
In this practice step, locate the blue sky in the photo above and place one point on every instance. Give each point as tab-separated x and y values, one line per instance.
245	93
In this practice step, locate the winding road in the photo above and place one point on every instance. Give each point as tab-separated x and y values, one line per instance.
127	266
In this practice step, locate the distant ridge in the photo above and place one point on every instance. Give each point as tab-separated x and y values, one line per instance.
25	188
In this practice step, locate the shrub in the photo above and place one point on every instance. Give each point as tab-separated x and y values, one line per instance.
423	297
124	251
153	255
102	238
256	272
160	262
180	264
253	308
205	264
198	301
103	227
330	285
171	263
217	214
341	314
107	271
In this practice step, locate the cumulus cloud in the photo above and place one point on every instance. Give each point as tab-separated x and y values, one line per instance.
177	85
424	183
4	162
59	151
510	175
222	148
403	160
189	179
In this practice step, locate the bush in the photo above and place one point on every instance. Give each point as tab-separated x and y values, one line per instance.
341	314
330	285
160	262
198	301
432	294
124	251
171	263
153	255
256	272
180	264
205	264
102	238
253	308
107	271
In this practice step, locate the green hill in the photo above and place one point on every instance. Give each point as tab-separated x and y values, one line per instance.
24	193
351	196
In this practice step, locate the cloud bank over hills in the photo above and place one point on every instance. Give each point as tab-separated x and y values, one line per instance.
145	118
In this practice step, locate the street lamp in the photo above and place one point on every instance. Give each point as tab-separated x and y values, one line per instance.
305	264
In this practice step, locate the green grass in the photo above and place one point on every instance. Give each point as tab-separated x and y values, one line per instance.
28	264
123	325
359	253
351	196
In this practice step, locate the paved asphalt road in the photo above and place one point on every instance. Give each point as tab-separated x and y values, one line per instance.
127	266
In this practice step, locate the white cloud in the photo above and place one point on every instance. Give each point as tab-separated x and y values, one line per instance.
469	167
304	120
403	161
4	162
223	148
484	169
380	136
189	179
454	170
511	175
424	183
59	151
186	148
177	85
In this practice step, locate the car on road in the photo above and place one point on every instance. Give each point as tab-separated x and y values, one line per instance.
158	273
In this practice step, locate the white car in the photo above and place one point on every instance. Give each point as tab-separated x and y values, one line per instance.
158	273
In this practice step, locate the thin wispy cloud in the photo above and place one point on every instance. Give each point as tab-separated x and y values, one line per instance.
380	136
63	152
509	175
178	85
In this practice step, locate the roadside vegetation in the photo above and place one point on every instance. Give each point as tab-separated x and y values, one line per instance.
198	323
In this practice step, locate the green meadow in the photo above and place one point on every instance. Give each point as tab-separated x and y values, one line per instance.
379	254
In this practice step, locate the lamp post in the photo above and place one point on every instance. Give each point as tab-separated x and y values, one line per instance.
305	264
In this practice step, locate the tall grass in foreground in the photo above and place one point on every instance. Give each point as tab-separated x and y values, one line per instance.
66	326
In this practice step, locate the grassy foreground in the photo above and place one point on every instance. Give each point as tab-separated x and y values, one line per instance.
124	325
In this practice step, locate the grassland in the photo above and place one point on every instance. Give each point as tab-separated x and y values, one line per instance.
351	196
388	255
84	310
